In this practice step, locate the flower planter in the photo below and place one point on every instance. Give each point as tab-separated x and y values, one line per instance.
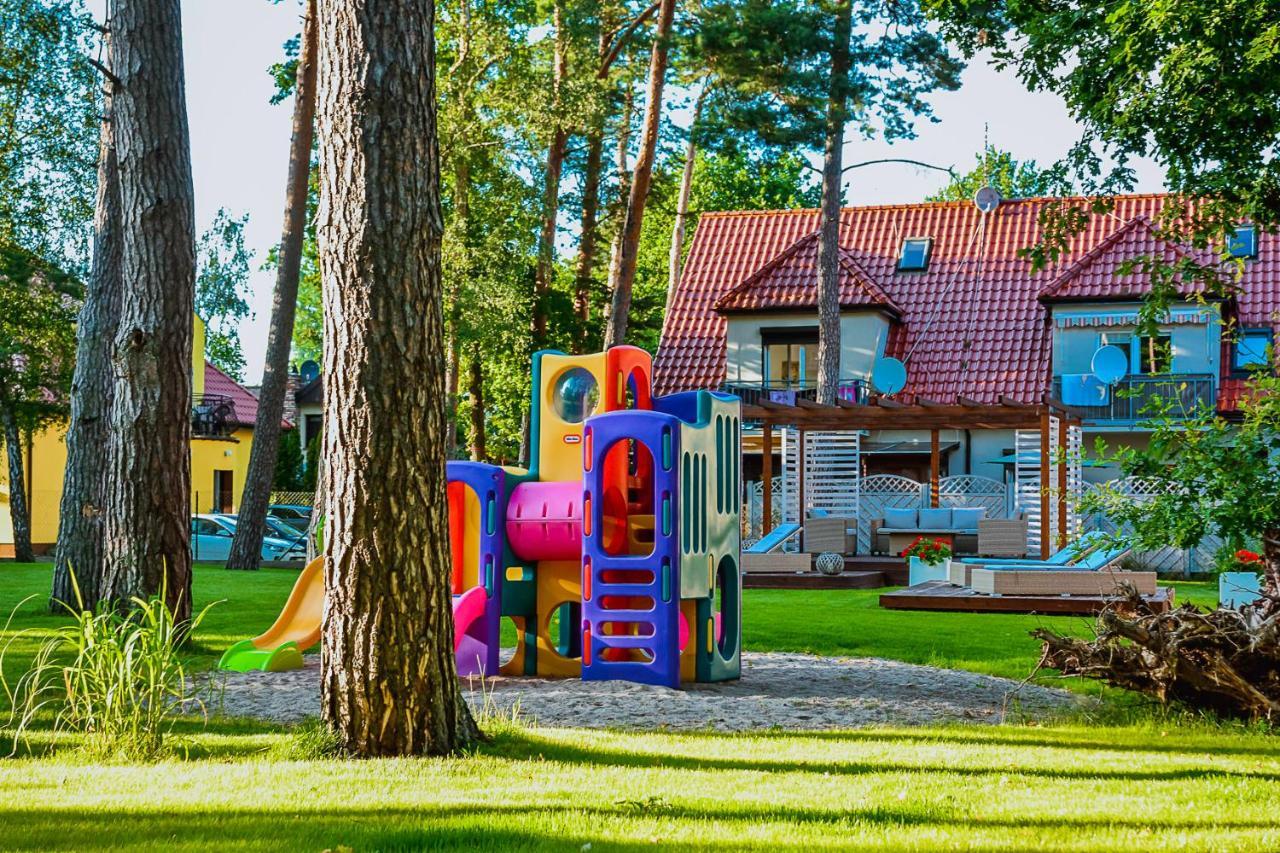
921	572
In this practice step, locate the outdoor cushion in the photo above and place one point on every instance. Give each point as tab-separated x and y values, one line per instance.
967	517
901	518
935	518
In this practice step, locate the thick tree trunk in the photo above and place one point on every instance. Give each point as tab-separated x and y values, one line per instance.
1271	565
829	238
389	681
478	452
19	512
147	507
682	204
246	547
616	331
556	149
84	486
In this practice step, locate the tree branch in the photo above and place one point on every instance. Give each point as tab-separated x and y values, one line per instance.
106	72
623	34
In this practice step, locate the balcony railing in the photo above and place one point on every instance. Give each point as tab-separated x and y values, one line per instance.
1138	398
751	393
213	416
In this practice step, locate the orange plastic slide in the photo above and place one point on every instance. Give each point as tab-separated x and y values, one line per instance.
297	628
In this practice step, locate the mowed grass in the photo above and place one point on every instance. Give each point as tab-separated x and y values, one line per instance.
1124	779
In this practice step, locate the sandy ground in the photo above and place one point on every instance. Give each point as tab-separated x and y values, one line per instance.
788	691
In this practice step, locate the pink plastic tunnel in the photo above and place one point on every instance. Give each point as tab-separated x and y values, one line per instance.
544	521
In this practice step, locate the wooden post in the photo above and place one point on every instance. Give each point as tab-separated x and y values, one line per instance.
935	466
766	465
1062	482
1044	484
800	477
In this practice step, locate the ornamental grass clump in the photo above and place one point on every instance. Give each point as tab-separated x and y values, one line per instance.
113	678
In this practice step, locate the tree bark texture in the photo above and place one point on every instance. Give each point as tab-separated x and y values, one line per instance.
246	547
146	523
829	237
623	174
616	331
19	511
682	205
389	681
586	267
84	485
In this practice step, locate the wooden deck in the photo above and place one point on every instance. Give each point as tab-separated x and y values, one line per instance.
940	595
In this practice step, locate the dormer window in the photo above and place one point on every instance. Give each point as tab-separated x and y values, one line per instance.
1243	242
915	254
1251	350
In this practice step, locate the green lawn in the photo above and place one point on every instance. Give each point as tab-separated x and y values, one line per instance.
1148	782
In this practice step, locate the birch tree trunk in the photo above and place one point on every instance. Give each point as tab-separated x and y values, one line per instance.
829	236
84	486
389	682
616	330
19	511
147	507
246	547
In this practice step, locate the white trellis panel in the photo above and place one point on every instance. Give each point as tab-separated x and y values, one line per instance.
1075	479
880	491
831	473
972	490
1170	559
787	498
1027	492
753	500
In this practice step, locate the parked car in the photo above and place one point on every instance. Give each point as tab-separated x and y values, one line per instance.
211	541
294	515
276	529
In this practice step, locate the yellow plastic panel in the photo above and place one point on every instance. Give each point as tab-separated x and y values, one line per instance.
558	582
560	441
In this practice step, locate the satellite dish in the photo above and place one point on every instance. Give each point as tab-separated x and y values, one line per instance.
987	199
309	370
1109	364
889	376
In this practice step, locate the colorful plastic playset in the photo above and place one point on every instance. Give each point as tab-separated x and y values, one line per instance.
615	555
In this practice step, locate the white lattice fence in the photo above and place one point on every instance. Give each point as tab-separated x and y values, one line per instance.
831	473
1028	497
885	490
753	500
1171	559
975	491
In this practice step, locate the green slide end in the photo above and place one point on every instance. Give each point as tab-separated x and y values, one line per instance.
244	656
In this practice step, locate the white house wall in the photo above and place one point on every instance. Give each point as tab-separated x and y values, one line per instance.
862	340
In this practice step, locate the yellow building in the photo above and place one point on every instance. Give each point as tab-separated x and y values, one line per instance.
222	418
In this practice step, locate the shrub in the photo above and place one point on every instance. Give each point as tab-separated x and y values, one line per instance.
115	679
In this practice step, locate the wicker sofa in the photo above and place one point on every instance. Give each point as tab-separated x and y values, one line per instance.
970	532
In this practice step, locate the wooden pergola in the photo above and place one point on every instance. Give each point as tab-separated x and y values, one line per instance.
962	414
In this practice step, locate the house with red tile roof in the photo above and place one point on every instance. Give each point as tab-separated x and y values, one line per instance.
947	289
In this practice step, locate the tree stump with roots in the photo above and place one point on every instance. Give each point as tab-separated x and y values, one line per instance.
1226	661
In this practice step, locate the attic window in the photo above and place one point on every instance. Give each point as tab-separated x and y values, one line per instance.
915	254
1244	242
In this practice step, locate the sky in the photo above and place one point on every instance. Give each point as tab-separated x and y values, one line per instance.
240	141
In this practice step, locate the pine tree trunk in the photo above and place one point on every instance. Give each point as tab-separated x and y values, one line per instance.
389	680
682	204
246	547
556	149
19	512
84	486
1271	565
829	237
478	452
586	267
147	506
623	174
616	331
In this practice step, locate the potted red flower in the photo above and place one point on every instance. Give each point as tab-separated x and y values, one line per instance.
928	560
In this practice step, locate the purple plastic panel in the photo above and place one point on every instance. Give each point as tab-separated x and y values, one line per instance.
660	616
489	484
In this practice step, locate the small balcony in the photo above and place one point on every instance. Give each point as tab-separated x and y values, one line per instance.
213	416
1137	398
752	393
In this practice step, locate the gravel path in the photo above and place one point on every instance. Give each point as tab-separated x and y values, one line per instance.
789	691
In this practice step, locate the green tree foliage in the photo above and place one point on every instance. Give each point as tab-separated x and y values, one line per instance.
736	179
288	473
48	129
1012	178
222	283
1193	85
